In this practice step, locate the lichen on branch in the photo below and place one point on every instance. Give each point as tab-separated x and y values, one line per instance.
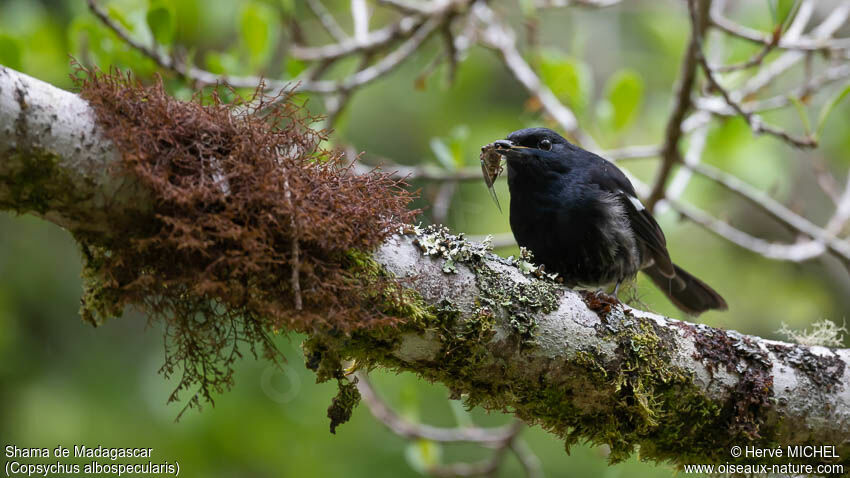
256	229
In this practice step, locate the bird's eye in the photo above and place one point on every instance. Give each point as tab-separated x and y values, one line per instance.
545	144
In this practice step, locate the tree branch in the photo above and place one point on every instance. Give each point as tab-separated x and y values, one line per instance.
673	133
327	20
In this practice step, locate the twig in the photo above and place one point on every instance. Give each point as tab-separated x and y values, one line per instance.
484	467
842	211
576	3
822	32
442	200
806	44
452	51
432	173
373	41
409	8
683	176
502	439
673	132
767	74
718	105
799	252
757	125
359	78
200	76
327	20
295	279
503	39
632	152
407	429
529	461
755	60
335	104
825	179
385	65
773	208
424	173
360	16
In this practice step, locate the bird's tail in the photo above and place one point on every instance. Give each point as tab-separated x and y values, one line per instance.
686	292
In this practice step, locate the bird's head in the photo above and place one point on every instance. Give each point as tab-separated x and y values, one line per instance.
530	144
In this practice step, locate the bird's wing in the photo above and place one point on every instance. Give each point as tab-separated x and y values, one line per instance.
611	179
649	233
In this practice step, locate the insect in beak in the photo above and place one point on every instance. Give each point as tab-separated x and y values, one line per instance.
491	165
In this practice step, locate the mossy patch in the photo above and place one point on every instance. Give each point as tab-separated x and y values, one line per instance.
638	402
342	405
39	183
254	228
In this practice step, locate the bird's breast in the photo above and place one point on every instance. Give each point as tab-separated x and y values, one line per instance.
584	237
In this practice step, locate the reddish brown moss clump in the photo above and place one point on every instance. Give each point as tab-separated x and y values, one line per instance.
255	228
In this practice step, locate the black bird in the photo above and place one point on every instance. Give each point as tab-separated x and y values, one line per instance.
580	217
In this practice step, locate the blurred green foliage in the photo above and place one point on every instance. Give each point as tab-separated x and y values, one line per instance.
62	382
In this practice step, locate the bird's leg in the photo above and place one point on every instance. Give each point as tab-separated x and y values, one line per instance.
617	288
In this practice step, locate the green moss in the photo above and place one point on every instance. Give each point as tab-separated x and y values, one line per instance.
38	183
463	342
100	300
362	264
392	298
342	405
41	184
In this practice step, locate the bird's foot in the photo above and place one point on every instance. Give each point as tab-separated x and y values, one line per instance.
616	290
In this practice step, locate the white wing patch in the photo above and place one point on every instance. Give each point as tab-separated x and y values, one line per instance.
636	202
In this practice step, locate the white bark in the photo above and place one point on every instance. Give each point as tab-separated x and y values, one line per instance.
54	160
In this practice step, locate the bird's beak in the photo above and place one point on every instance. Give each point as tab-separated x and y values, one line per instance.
509	150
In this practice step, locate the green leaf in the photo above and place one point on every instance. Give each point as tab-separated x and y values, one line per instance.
221	63
294	67
461	414
569	79
449	151
287	7
443	153
119	16
10	52
528	8
624	94
422	455
781	10
254	28
409	402
160	18
457	143
828	107
803	112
